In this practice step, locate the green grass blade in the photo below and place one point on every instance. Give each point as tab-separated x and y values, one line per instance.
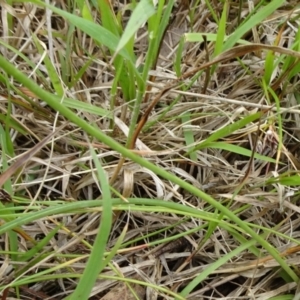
261	15
87	107
239	150
96	261
116	247
39	246
195	37
188	135
143	11
98	32
108	18
85	9
221	31
179	54
227	130
214	266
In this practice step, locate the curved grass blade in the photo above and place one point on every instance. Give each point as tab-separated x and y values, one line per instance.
96	262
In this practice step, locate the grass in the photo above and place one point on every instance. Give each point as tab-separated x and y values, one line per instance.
149	152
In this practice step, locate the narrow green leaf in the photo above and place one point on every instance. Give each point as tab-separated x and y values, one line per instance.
225	131
87	107
286	180
13	124
143	11
116	247
39	246
195	37
86	12
261	15
97	32
177	64
214	266
221	30
188	134
108	17
269	66
96	261
239	150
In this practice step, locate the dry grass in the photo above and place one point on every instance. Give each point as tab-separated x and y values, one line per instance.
63	171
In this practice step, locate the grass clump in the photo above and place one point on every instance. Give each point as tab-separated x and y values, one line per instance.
149	150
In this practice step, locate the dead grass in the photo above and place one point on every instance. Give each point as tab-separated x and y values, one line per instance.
63	170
